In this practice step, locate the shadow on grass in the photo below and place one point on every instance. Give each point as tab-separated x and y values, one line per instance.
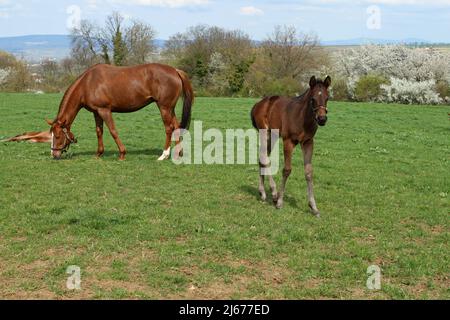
253	191
115	153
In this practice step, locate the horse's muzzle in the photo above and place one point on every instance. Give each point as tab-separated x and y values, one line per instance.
322	121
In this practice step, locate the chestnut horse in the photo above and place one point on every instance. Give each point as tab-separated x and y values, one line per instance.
297	120
104	89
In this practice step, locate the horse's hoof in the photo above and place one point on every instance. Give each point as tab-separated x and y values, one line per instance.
165	155
279	205
263	197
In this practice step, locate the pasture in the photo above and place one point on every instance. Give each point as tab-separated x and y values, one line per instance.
143	229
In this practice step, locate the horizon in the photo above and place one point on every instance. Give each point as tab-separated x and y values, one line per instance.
410	40
330	20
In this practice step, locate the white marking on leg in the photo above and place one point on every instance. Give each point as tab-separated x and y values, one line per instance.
52	146
165	155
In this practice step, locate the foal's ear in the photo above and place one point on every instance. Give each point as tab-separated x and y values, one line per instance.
327	81
50	123
312	82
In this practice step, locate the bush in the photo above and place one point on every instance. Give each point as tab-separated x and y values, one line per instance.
339	90
443	89
411	92
368	88
14	74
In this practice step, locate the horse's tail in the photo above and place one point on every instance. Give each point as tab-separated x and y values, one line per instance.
188	97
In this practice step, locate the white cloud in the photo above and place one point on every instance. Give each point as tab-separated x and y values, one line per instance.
8	9
411	2
163	3
92	4
385	2
251	11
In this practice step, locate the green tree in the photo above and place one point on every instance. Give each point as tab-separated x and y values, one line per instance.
368	88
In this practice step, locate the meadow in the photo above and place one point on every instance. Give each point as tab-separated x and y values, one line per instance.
142	229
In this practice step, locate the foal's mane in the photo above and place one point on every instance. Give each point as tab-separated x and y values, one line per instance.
300	97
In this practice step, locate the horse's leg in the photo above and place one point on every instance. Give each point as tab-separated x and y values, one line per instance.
176	126
99	130
167	118
307	149
263	162
106	115
288	149
273	185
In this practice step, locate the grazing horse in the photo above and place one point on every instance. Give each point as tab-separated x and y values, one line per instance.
297	120
104	89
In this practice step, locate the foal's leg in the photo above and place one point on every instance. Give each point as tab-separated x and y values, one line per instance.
273	185
99	129
307	149
167	118
288	150
263	163
106	115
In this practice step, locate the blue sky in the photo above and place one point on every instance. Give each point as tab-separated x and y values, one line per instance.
329	19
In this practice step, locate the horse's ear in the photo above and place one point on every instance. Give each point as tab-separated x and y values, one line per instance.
72	137
50	123
327	81
312	82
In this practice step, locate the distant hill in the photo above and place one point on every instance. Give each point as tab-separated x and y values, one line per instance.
38	47
363	41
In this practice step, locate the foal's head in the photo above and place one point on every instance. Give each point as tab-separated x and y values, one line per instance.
319	99
61	139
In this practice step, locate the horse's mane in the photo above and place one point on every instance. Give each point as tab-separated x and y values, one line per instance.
69	92
300	97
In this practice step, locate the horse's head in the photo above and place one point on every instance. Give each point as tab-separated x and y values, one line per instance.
319	97
61	138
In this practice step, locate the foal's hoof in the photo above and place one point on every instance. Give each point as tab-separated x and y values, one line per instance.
263	196
315	212
275	198
279	204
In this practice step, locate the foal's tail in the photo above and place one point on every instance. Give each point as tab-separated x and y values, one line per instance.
253	118
188	97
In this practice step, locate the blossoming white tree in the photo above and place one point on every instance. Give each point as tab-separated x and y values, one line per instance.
412	71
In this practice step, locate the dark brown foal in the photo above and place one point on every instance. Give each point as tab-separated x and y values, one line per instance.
297	120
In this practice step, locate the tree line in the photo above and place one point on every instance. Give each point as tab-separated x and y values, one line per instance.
223	62
220	62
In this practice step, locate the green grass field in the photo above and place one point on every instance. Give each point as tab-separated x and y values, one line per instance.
146	229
